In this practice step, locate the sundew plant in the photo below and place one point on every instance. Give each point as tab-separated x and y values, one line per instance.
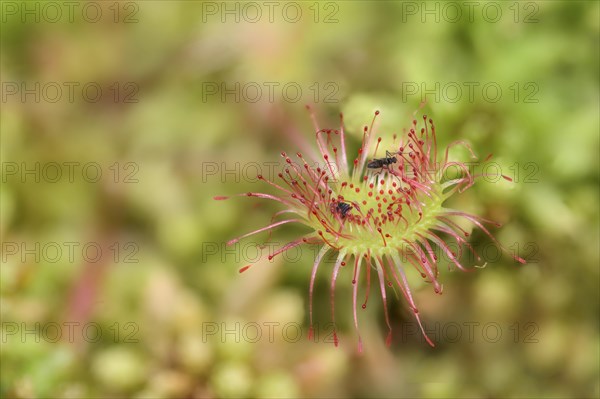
380	213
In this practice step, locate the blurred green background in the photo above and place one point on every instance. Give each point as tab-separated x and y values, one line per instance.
121	121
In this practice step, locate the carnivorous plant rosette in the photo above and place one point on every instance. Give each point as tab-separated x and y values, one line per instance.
381	216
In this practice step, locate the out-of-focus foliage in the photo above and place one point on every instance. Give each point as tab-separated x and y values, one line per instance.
180	322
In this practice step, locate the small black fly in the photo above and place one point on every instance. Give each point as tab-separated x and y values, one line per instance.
342	208
382	162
